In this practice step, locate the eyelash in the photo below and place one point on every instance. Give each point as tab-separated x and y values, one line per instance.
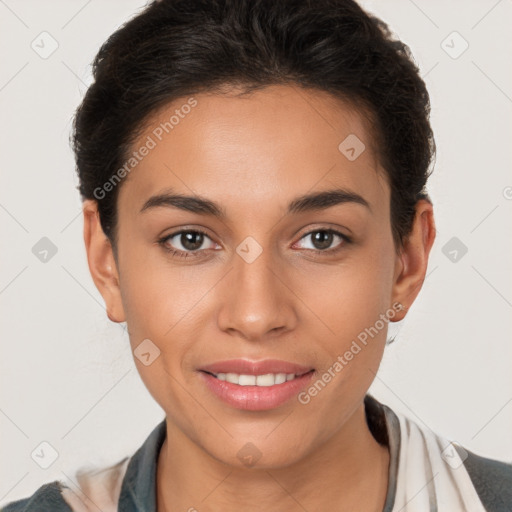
182	254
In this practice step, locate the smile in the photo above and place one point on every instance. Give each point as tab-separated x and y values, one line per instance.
266	380
255	392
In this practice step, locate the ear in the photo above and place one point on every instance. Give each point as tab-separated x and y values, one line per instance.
411	264
102	264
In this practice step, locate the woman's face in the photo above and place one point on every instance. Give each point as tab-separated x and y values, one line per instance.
268	279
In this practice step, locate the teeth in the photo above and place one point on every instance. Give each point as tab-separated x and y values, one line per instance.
268	379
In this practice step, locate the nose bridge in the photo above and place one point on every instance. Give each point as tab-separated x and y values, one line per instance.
255	302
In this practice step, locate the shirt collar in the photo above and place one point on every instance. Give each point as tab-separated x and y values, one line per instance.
138	490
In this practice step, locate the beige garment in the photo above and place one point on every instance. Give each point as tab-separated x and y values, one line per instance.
99	489
431	473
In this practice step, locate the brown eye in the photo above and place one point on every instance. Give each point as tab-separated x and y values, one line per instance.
185	242
191	240
322	240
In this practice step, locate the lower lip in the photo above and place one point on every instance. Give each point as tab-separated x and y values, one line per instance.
256	398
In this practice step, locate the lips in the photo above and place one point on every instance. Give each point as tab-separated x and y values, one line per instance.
255	385
247	367
255	398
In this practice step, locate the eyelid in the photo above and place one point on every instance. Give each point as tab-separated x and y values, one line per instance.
164	239
346	239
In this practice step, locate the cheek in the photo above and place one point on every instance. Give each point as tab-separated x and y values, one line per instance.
158	309
347	297
155	295
165	303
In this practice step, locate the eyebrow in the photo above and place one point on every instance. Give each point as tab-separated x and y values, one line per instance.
309	202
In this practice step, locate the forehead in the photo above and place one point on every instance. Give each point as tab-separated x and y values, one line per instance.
256	150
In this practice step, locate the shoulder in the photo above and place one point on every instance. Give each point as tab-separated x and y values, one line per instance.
461	474
492	480
47	497
96	489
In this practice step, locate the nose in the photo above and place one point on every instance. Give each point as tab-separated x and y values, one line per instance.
256	302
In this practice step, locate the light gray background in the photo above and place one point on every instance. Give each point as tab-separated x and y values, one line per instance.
67	374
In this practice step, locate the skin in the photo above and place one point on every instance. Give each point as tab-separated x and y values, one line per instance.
253	155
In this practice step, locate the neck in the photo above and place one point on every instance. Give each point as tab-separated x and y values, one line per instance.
347	472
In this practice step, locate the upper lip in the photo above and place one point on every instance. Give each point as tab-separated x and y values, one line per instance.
248	367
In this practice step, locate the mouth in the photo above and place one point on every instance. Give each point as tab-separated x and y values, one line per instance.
255	385
264	380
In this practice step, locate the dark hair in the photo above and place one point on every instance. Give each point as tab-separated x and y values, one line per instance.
175	48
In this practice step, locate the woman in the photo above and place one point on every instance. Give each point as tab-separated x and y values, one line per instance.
218	141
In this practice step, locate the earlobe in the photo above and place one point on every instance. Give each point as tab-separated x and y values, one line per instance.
101	261
412	262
